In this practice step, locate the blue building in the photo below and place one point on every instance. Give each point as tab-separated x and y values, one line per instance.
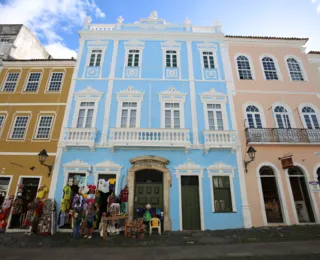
151	107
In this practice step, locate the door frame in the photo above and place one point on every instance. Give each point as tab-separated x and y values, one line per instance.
190	169
314	205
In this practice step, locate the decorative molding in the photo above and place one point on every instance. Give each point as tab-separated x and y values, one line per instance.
134	45
172	93
189	166
108	164
220	166
76	164
170	45
207	46
130	93
88	91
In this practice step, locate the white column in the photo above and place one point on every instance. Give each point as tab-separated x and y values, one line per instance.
194	116
230	89
104	138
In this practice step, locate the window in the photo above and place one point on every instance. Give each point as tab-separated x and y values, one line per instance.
172	115
253	117
19	128
129	114
208	60
310	118
55	81
244	69
95	58
2	117
222	194
33	82
282	117
133	58
269	69
11	82
215	119
4	188
44	127
85	115
171	59
294	70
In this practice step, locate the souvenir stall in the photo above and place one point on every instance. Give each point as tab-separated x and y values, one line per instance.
4	212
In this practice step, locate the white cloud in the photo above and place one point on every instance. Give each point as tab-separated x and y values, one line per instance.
317	2
46	17
59	50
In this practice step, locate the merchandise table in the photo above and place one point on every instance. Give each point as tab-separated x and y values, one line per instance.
105	223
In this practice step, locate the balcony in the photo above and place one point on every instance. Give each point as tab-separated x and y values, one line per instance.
287	136
219	139
149	137
79	137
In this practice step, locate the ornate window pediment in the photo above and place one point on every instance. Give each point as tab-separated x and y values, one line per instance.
221	168
189	168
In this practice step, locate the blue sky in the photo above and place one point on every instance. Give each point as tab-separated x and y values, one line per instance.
56	22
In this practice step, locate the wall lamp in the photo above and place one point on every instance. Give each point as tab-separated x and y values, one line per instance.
252	154
42	158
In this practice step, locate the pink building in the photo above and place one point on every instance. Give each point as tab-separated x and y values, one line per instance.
277	104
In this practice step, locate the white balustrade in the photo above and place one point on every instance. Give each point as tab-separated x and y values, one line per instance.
219	139
149	137
79	137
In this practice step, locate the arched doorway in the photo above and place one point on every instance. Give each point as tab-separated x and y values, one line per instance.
301	195
147	173
270	192
318	175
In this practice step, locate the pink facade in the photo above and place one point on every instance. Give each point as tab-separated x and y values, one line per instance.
277	112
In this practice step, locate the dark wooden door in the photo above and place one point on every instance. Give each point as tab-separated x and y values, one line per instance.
190	203
148	193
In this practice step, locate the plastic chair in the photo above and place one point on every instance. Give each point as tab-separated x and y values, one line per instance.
155	224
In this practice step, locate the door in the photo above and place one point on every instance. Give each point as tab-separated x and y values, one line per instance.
190	203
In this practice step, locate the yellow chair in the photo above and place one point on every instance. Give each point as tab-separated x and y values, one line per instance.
155	224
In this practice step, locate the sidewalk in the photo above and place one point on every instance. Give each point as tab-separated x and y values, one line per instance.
169	239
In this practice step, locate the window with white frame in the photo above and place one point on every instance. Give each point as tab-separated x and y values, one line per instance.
208	60
244	68
44	127
269	68
128	114
95	58
11	82
215	118
55	82
310	118
2	118
295	70
171	59
19	127
282	117
172	115
133	58
4	188
33	82
85	115
253	117
222	194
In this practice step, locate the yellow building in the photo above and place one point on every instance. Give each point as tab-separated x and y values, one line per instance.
33	97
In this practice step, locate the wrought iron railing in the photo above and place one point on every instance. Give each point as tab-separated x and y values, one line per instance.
282	135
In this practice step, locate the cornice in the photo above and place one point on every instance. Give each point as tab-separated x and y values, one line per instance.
40	64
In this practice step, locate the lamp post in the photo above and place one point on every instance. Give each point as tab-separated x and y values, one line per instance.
42	159
252	154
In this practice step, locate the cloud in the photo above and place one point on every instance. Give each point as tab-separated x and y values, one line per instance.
59	50
46	18
317	2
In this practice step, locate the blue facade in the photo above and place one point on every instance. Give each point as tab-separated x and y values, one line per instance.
196	141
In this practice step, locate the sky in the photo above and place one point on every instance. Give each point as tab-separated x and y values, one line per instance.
56	22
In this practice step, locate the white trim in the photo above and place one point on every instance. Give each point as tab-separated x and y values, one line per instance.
261	112
32	104
91	45
290	114
13	122
171	46
5	80
190	169
49	81
276	64
75	167
280	190
253	74
27	81
5	114
172	96
222	170
133	45
303	71
315	176
314	205
315	108
276	92
10	182
208	47
24	153
213	97
41	114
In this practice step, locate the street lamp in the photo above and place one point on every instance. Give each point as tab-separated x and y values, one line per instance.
252	154
42	158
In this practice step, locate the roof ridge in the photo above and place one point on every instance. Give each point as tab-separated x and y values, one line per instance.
266	37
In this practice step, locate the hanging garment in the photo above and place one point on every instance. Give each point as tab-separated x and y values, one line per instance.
82	181
67	193
42	192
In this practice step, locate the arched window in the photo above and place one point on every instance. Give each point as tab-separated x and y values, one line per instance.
270	195
318	173
269	69
299	188
295	70
253	117
310	118
282	117
244	69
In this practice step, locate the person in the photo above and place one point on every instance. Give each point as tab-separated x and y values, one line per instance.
89	221
77	217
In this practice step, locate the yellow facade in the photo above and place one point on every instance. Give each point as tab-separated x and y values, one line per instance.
39	114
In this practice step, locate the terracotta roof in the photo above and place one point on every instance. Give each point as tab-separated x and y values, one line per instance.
267	37
314	52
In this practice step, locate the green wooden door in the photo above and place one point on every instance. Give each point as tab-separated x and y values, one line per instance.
148	193
190	203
